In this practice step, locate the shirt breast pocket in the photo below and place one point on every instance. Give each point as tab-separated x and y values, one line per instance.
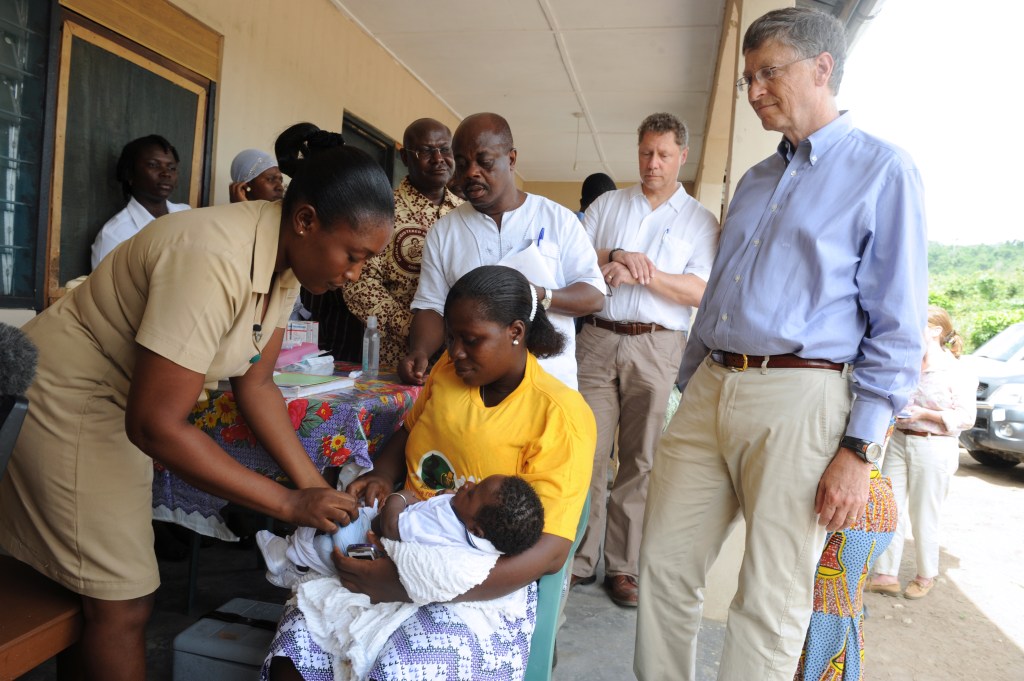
551	255
674	254
549	249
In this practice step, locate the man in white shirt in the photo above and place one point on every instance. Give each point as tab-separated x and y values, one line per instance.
148	172
501	225
655	245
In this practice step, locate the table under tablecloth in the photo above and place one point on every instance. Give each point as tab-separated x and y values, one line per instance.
334	428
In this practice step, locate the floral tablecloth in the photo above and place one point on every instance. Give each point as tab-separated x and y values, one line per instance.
334	428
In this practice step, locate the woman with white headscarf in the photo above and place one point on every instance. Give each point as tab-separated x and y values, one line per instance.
255	177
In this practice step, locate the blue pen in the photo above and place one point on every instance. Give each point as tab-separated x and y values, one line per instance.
541	236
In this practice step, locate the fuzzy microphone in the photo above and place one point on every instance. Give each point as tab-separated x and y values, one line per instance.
17	361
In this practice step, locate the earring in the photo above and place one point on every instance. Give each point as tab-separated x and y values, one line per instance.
515	341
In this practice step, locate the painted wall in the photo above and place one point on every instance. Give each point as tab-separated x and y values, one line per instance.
286	62
565	193
15	317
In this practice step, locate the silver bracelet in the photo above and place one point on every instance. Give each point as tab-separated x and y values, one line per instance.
395	494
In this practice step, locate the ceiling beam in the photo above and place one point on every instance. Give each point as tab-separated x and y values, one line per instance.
570	71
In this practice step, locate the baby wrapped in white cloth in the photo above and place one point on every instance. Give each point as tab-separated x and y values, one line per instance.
442	547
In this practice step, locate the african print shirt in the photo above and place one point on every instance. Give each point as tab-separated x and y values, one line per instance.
389	280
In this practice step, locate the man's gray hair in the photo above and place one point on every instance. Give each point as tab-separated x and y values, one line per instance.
808	31
660	123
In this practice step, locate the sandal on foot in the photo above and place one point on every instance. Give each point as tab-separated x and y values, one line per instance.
879	588
918	589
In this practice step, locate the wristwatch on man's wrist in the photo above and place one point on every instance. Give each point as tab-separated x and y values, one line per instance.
871	452
545	302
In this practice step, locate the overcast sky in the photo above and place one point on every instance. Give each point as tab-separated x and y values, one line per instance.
941	79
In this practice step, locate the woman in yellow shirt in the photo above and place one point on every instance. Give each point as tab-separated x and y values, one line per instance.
487	408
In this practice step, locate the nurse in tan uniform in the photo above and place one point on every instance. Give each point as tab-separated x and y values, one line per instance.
195	297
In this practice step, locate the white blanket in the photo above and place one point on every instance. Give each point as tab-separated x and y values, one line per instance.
354	631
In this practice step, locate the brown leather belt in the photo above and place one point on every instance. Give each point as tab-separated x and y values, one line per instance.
915	433
624	328
744	362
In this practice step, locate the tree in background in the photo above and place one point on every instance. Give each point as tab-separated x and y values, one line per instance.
982	286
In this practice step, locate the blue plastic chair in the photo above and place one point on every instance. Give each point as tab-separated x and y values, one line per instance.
549	602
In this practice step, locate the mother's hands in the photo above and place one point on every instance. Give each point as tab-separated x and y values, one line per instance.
321	507
378	578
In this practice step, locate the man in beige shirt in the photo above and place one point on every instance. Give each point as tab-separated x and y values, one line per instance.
389	280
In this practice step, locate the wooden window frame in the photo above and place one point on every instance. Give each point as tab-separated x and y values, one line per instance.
71	26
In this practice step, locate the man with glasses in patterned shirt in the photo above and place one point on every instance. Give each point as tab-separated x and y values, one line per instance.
807	342
389	280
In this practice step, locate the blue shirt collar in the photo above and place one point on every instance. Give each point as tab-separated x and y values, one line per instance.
821	140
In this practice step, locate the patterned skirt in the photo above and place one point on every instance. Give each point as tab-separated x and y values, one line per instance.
432	645
834	648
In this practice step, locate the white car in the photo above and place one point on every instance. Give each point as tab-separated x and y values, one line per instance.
997	438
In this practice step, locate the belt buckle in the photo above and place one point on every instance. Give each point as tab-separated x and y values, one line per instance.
739	369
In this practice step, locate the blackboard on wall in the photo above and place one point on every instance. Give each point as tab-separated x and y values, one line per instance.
112	100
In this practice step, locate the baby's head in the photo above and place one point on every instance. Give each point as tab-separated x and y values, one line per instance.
502	509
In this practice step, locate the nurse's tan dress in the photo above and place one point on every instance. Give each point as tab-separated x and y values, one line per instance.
76	502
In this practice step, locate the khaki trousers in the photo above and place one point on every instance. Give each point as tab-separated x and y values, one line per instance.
753	442
626	380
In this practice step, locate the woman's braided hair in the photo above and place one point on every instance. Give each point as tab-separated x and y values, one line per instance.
502	295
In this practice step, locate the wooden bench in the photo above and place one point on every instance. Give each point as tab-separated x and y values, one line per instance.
38	618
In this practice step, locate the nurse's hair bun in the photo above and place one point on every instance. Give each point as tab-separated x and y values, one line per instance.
299	142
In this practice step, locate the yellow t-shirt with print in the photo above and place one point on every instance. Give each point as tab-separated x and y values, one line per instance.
543	432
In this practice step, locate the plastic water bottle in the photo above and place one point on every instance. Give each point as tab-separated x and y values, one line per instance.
371	348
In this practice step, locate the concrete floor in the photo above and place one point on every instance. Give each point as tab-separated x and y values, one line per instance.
596	642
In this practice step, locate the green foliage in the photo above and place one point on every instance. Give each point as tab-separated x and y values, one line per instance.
981	286
991	323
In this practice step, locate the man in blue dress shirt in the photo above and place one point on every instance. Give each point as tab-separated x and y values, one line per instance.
806	343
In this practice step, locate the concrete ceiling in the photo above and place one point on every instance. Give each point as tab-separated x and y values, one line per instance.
555	68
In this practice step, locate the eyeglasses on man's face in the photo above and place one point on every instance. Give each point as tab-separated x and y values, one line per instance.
428	152
766	73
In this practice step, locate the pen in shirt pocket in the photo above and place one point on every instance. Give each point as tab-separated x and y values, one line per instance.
540	237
